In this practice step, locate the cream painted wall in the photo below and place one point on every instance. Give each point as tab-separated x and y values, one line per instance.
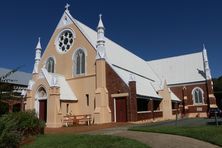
64	63
166	103
81	85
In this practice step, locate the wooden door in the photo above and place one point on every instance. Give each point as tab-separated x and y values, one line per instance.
43	110
121	110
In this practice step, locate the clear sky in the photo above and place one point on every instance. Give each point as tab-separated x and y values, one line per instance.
151	29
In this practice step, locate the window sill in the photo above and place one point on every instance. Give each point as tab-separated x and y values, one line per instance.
157	111
143	112
199	104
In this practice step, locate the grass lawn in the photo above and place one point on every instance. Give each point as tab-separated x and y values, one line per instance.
83	141
207	133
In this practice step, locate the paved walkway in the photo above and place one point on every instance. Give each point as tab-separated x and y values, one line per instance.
156	140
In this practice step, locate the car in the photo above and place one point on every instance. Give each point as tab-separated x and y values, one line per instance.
213	111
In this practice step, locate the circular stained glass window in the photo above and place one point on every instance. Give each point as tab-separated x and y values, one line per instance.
65	40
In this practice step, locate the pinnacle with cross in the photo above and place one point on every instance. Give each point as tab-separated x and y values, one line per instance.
67	6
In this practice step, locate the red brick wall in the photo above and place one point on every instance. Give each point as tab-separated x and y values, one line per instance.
115	85
158	114
174	111
132	101
180	92
144	115
212	100
196	109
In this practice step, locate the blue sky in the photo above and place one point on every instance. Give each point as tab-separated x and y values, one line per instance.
151	29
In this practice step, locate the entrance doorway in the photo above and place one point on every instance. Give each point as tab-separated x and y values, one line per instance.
121	111
41	104
43	110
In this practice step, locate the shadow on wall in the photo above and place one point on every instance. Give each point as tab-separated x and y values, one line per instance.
202	73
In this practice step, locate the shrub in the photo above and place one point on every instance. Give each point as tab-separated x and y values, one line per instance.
9	136
28	123
15	127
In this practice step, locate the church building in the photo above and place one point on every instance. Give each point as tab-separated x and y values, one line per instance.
81	72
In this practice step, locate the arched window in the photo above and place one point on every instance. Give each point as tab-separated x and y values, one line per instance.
41	93
50	65
198	96
79	62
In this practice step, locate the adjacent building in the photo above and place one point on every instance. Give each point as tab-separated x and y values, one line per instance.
13	84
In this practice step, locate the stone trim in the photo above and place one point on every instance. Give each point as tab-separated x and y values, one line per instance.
120	95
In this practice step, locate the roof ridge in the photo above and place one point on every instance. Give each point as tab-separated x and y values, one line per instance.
109	39
9	69
79	24
188	54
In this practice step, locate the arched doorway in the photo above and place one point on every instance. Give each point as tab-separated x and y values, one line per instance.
41	103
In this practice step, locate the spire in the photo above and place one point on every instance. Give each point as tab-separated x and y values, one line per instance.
206	63
100	25
100	47
39	45
205	53
37	56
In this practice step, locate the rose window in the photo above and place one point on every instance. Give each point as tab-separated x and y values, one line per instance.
65	41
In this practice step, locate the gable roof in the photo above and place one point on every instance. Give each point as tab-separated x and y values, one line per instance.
180	69
122	61
19	77
66	92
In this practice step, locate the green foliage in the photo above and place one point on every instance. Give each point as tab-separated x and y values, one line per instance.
9	136
3	108
15	127
84	141
28	123
210	134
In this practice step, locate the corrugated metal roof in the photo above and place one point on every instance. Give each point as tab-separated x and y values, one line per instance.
125	62
180	69
143	86
19	77
117	55
173	96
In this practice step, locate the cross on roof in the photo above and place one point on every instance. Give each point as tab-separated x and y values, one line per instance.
67	6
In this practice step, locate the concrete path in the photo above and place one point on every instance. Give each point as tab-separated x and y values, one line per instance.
156	140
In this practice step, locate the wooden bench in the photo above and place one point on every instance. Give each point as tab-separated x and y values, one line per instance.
84	119
70	120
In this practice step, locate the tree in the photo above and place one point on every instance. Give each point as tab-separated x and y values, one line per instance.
218	90
6	91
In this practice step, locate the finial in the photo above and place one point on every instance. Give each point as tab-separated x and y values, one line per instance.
67	6
203	46
100	25
39	44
